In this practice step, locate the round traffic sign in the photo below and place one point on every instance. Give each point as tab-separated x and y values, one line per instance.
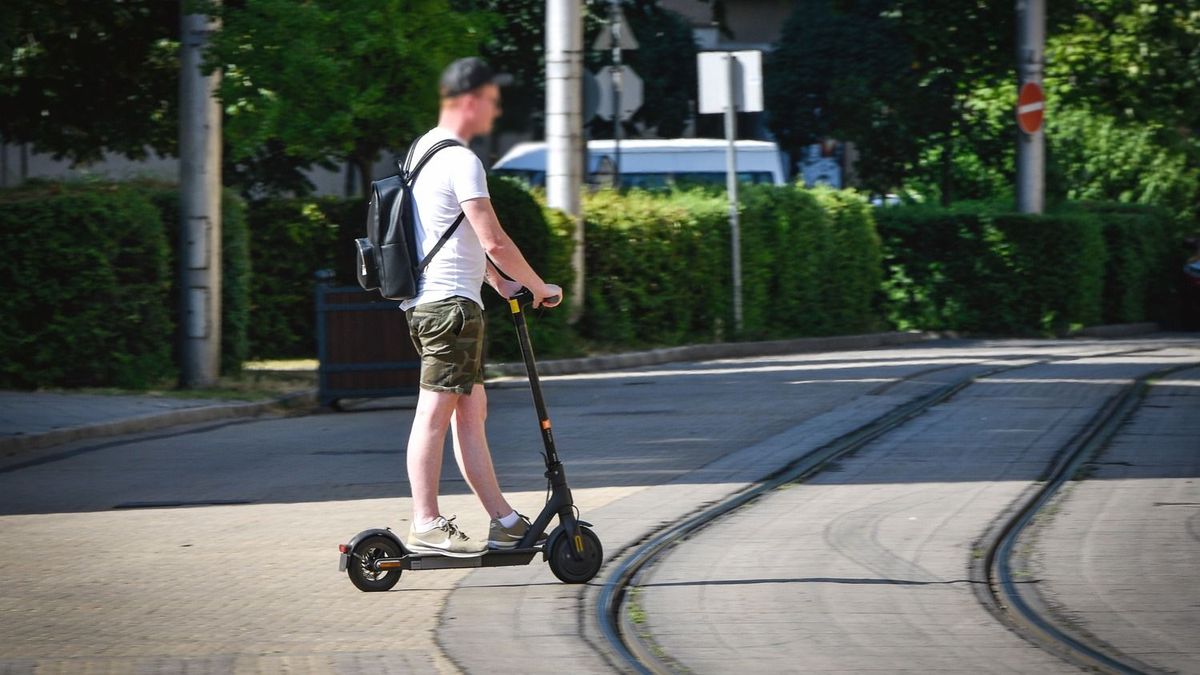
1031	107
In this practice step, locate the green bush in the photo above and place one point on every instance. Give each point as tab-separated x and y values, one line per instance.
294	238
658	265
980	270
656	268
86	273
852	286
545	239
291	239
1141	281
1056	263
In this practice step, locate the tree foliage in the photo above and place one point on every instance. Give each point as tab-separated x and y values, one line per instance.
665	61
1123	121
336	78
78	78
926	90
896	77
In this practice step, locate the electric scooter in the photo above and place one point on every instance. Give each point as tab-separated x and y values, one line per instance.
374	559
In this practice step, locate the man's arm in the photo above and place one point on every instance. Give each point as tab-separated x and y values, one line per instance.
503	286
501	249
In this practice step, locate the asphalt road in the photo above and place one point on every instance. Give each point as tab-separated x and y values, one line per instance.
213	548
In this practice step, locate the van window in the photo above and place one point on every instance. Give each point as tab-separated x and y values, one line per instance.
651	181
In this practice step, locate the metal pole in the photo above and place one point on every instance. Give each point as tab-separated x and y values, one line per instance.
615	26
199	207
735	243
564	126
1031	148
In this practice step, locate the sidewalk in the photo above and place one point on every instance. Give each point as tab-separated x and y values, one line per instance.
33	420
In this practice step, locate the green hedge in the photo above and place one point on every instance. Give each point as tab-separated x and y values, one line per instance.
86	274
655	268
294	238
291	240
976	269
90	278
658	265
90	295
1145	256
544	237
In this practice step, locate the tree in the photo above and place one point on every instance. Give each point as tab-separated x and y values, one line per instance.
80	78
336	78
896	77
517	47
1124	107
835	74
1135	59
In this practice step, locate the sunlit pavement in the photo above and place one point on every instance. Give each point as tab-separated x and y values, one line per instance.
213	549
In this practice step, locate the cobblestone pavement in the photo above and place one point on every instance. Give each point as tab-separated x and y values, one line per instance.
865	567
212	548
1119	559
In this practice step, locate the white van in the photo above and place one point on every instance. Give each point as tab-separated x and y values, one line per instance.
653	163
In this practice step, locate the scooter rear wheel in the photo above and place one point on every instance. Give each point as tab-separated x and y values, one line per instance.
563	562
363	575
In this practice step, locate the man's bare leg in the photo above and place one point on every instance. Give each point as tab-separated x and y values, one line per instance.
472	452
425	443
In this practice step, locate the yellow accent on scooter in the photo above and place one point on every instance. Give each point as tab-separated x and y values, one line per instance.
516	306
579	543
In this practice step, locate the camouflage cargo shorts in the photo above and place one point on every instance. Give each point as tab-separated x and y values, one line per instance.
448	334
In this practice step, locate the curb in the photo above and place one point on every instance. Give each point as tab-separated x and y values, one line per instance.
1117	330
720	350
15	444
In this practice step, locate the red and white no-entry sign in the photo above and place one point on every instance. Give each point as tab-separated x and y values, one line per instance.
1031	107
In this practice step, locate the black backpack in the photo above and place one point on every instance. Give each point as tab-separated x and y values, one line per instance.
386	255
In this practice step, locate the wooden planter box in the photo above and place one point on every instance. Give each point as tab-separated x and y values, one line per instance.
363	346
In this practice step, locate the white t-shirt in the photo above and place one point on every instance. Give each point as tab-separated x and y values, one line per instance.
452	176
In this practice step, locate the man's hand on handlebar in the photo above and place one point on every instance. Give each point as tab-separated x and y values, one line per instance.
549	296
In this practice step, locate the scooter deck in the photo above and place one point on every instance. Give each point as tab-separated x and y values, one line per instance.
436	561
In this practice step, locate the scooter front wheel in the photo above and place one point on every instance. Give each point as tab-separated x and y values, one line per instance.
575	560
361	568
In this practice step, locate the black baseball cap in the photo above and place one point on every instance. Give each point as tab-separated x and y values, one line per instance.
469	74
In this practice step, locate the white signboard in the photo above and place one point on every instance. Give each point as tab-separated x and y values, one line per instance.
715	80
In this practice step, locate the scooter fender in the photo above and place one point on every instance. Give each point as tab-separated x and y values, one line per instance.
557	532
358	538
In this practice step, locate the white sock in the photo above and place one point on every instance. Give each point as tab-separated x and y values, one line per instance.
426	526
509	520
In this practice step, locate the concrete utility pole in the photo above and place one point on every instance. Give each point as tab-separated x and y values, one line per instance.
199	207
1031	140
564	125
731	186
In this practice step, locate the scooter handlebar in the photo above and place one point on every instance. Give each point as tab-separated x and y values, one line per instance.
525	298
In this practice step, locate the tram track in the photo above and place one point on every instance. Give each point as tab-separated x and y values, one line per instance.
999	590
637	651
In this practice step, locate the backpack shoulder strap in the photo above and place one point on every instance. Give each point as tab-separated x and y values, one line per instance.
441	242
411	176
437	147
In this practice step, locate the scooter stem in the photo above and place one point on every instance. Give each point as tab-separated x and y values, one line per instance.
516	305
